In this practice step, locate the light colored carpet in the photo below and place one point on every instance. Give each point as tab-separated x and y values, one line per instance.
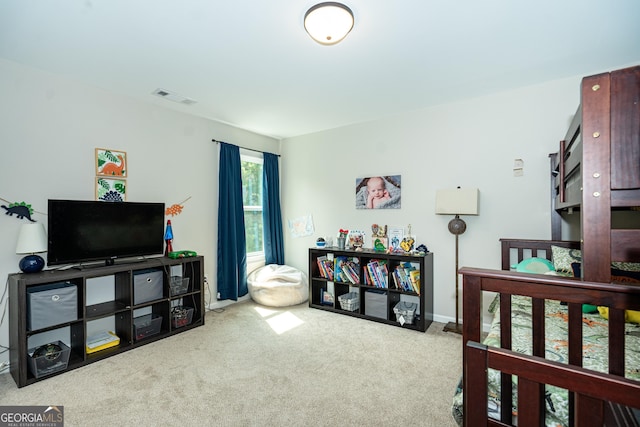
257	366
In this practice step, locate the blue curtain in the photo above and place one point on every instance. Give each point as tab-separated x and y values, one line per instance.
271	215
232	246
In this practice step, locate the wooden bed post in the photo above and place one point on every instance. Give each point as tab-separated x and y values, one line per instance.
556	218
596	175
471	329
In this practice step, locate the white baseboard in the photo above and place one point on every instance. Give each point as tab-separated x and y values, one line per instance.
436	318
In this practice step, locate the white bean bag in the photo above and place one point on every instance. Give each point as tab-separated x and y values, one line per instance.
278	286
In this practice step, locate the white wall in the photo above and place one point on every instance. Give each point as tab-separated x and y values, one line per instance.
469	144
49	128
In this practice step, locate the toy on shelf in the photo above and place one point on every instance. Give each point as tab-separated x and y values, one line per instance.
379	240
168	238
408	241
342	238
407	244
421	250
182	254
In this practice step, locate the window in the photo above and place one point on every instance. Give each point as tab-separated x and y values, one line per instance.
252	201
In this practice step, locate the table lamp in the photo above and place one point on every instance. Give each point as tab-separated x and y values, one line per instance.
457	201
32	239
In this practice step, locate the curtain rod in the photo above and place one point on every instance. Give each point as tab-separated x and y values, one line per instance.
250	149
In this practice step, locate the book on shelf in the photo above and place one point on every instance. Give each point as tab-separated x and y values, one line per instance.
325	267
346	270
367	277
378	273
325	297
370	279
397	280
407	277
414	276
401	277
383	273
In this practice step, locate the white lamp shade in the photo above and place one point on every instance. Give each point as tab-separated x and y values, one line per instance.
329	22
31	239
457	201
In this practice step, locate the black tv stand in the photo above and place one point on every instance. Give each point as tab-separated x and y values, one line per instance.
123	312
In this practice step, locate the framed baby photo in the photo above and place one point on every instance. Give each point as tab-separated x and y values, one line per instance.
378	192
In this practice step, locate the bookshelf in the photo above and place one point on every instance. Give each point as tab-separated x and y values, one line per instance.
395	289
139	302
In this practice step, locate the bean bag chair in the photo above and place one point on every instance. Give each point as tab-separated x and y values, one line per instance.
278	286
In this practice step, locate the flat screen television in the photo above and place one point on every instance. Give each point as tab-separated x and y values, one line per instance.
84	231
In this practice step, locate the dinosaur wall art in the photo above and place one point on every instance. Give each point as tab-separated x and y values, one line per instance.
20	210
111	163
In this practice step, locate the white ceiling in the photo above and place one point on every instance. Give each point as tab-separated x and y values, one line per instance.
250	63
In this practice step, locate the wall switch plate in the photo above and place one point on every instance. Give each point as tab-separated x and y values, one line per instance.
518	167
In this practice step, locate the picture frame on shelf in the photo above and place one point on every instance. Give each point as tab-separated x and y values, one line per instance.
395	235
355	239
380	244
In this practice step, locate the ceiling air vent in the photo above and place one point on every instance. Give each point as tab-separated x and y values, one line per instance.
174	97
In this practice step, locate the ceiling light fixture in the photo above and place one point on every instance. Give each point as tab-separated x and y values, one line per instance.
328	22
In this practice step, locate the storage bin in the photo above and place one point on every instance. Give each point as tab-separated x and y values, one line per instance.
147	286
146	326
51	304
48	358
179	285
181	316
350	301
375	304
405	312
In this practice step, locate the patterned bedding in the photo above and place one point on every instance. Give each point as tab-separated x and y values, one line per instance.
595	354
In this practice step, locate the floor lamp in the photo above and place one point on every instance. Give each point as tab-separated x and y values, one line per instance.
457	202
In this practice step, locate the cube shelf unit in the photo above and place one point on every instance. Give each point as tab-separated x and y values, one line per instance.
105	302
381	300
